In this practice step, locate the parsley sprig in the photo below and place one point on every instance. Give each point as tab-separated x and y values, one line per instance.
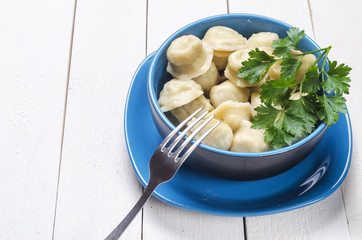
322	89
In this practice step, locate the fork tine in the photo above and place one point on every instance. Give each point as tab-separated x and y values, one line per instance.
184	144
184	132
162	169
168	137
192	148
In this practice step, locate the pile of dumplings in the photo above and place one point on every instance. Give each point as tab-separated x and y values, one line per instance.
205	75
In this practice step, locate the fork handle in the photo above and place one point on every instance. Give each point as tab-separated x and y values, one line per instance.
117	232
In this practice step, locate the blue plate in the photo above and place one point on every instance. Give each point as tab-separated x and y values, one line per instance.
315	178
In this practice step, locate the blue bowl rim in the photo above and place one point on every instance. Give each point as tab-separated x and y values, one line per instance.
152	94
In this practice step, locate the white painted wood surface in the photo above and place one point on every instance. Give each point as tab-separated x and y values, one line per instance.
34	55
97	186
325	220
159	220
346	25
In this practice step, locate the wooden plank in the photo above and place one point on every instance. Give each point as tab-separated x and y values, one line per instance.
342	32
164	222
161	221
324	220
34	46
295	12
97	184
166	17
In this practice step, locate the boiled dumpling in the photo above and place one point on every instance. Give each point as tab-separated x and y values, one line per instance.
247	139
228	91
181	113
232	113
223	40
255	102
176	93
255	89
307	61
234	64
221	137
296	95
188	57
221	59
275	71
208	79
263	41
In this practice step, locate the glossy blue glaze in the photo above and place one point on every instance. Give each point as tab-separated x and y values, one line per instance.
234	165
315	178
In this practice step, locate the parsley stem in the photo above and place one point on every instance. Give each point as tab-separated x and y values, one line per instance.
319	58
311	52
324	62
300	50
318	50
295	89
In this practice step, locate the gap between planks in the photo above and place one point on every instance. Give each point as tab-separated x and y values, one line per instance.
146	51
314	35
244	226
311	18
64	115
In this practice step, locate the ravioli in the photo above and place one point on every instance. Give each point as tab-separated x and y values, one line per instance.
223	40
221	137
247	139
232	113
176	93
228	91
234	64
181	113
208	79
307	61
262	39
188	57
255	102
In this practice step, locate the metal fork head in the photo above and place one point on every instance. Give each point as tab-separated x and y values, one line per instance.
166	161
164	164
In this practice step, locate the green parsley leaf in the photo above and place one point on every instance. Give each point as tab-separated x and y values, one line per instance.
311	83
260	56
281	127
293	124
277	91
255	68
269	118
306	108
283	119
331	106
283	47
266	116
289	67
277	137
342	69
295	35
337	80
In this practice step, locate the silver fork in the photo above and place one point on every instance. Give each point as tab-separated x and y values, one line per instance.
164	164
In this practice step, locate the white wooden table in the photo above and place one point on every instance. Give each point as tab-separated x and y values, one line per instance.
65	68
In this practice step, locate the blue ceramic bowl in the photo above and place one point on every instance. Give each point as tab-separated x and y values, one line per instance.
227	164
